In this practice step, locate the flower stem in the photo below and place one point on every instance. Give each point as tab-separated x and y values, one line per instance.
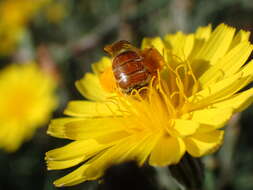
189	173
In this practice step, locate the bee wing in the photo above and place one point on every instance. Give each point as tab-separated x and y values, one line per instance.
119	47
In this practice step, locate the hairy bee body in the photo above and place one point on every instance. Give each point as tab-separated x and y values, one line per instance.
132	68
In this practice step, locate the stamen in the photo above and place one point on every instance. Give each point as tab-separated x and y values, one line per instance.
180	86
195	86
182	96
162	89
173	94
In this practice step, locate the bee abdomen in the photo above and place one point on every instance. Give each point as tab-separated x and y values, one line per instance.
133	81
129	70
125	57
133	68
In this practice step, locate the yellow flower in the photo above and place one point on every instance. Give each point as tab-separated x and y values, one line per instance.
56	11
15	15
196	93
26	102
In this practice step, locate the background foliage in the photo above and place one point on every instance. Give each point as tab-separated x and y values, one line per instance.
67	36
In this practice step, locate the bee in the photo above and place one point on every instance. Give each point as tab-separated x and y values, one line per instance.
133	68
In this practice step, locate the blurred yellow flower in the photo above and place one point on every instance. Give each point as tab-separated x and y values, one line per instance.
15	15
56	11
196	93
26	102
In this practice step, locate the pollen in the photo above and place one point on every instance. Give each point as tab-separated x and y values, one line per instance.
107	80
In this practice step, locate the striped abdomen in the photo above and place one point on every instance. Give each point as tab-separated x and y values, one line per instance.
130	71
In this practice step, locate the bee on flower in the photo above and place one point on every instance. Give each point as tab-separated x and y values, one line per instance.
132	68
188	99
26	103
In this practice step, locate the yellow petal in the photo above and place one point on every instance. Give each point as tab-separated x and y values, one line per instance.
57	126
72	178
144	148
153	42
238	102
85	148
89	86
241	36
96	166
219	91
200	37
72	154
185	127
92	128
247	70
12	139
216	117
92	109
100	66
168	150
227	65
108	81
217	45
201	144
181	44
203	32
136	147
63	164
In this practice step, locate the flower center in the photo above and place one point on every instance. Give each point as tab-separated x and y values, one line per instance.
153	108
